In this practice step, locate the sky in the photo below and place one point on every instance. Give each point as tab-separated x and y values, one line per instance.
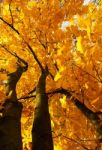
66	23
86	2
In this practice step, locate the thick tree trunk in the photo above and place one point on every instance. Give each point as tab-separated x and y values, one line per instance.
10	126
41	131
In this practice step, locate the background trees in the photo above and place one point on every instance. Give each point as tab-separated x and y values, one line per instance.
66	36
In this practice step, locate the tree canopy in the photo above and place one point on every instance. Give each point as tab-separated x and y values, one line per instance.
66	36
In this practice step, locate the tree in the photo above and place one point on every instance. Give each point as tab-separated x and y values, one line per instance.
41	131
65	36
10	126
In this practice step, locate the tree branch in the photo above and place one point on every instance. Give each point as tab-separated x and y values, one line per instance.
11	11
15	55
88	73
10	25
30	48
92	116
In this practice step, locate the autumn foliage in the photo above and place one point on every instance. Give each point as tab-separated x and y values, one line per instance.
65	36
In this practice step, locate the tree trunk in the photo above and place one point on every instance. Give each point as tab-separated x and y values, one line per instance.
41	131
10	126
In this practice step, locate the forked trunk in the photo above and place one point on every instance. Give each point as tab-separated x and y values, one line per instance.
10	125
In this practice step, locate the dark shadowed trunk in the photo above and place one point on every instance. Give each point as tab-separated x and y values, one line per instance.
10	125
41	131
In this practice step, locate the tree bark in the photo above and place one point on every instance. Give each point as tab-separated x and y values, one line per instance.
10	125
41	131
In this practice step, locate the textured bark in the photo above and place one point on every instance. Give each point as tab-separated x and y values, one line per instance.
10	125
41	131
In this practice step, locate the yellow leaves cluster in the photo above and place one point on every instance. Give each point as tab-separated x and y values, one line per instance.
59	73
100	3
63	101
79	45
6	9
52	124
57	147
57	76
85	23
32	4
39	24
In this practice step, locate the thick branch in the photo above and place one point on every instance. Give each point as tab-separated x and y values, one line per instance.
15	55
98	79
92	116
10	25
35	57
12	79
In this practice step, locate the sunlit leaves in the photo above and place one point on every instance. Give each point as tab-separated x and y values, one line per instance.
79	45
31	4
67	37
63	102
58	75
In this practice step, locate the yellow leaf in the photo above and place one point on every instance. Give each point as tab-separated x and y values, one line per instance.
52	124
86	86
57	76
31	4
24	120
88	31
59	52
88	27
62	68
79	44
100	2
63	101
95	100
57	147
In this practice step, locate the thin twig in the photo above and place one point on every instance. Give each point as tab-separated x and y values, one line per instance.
11	11
71	139
87	73
30	48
